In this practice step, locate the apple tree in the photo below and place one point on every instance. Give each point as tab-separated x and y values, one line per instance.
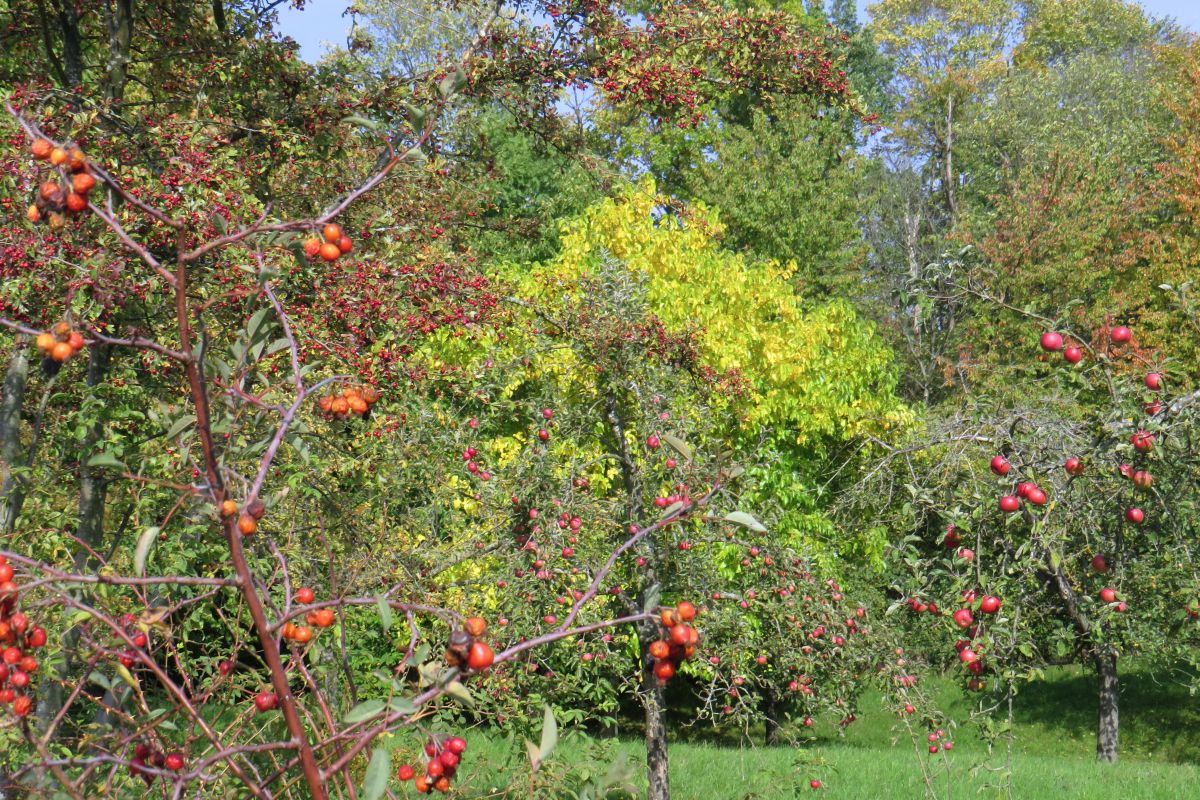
1057	526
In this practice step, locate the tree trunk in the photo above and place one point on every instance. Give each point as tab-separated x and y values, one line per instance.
656	737
72	43
1110	695
11	489
771	717
119	17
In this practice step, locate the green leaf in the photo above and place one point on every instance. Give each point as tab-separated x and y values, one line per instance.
402	705
379	769
459	692
671	509
355	119
364	710
746	521
414	156
452	82
428	673
678	445
180	425
144	543
416	116
653	598
385	613
256	322
100	680
105	459
549	734
127	676
276	346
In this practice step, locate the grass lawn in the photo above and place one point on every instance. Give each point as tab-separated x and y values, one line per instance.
1053	754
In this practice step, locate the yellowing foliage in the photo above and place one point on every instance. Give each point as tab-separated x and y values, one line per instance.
813	372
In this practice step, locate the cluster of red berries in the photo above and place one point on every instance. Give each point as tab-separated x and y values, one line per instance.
467	648
136	635
17	638
144	755
678	643
55	198
352	400
318	617
60	342
331	245
444	757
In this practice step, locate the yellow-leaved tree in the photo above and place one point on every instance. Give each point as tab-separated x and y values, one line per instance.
814	372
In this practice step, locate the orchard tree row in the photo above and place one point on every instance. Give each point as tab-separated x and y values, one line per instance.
520	365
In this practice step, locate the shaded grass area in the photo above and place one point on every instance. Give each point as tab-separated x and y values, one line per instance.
1053	752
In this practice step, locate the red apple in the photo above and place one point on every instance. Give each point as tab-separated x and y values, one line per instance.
963	618
266	701
1108	595
1052	341
1037	496
1099	563
968	656
1009	504
1142	441
1120	334
1000	465
1153	381
1135	515
990	604
1024	488
966	554
1073	466
1143	479
1073	355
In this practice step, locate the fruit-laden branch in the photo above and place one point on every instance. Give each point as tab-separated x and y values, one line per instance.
177	695
33	132
136	342
680	513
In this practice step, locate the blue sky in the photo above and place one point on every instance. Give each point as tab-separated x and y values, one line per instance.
322	20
